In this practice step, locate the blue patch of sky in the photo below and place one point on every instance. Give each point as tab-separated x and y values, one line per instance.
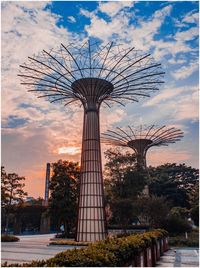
141	11
189	137
72	8
193	43
147	9
191	80
14	122
25	105
180	9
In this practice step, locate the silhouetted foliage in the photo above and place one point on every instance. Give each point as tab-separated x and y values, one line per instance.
176	225
195	215
175	182
152	209
123	183
12	194
28	217
64	194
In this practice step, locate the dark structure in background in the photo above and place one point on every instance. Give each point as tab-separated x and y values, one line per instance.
46	194
91	75
45	219
141	139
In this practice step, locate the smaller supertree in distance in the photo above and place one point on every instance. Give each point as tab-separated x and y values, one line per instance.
141	139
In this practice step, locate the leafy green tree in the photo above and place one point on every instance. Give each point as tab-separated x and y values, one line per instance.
180	212
123	183
123	212
152	209
194	195
176	225
28	216
173	181
194	203
64	194
4	195
115	168
195	214
13	194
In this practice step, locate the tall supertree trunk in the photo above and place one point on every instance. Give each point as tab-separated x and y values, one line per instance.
91	210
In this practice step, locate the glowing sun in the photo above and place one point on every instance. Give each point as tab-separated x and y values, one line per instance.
69	150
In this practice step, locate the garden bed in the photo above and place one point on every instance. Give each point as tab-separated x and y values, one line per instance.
135	250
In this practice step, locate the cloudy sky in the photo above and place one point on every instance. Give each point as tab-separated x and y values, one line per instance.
35	131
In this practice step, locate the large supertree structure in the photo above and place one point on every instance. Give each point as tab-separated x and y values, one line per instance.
142	138
91	74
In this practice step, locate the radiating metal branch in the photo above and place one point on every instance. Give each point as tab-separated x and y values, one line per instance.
119	61
73	59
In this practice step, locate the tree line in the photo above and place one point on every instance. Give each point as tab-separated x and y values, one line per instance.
173	196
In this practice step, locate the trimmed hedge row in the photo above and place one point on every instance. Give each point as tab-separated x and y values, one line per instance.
109	252
62	242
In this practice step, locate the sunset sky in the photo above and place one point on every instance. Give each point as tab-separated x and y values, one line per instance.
35	131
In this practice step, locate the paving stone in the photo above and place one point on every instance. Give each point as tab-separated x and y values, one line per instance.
180	257
30	248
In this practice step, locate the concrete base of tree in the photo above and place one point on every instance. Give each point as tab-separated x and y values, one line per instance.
148	257
166	243
153	254
140	259
161	247
157	250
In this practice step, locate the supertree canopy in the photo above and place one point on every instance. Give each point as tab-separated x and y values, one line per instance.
62	74
142	138
91	74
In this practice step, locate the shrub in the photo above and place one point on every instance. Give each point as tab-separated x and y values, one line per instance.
9	238
195	215
109	252
181	241
176	225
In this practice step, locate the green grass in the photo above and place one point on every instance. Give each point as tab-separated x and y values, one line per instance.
181	241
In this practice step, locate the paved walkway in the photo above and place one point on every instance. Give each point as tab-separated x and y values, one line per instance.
180	257
30	247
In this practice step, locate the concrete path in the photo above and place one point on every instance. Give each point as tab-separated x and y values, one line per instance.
30	247
180	257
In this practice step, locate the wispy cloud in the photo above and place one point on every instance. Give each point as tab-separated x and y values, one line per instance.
71	19
185	71
166	94
112	8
